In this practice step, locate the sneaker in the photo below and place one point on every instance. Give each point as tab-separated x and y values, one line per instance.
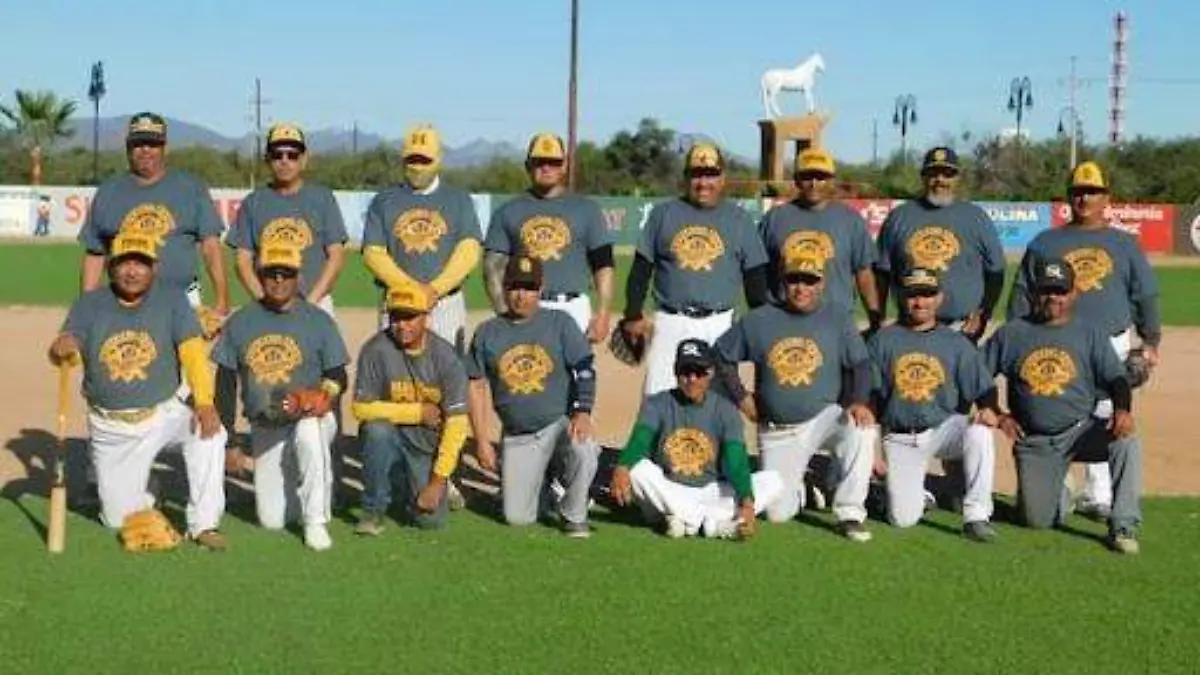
854	531
577	530
979	530
930	501
720	529
675	528
1124	541
211	540
317	538
817	498
454	497
369	524
1099	513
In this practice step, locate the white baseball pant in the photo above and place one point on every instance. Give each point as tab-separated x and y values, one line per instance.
908	457
293	473
788	449
448	320
669	331
326	305
1097	479
123	455
698	507
580	309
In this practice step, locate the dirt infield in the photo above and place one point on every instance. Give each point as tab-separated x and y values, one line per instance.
28	419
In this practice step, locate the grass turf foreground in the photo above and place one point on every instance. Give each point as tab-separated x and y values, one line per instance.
482	597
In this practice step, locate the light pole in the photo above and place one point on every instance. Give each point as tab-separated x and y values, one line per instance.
1071	128
96	91
572	104
904	114
1020	97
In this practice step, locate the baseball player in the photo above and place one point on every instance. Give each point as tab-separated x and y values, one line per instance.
410	398
815	222
171	207
279	345
956	239
423	231
927	378
291	211
1057	366
565	232
699	250
132	337
535	367
799	350
1117	292
685	463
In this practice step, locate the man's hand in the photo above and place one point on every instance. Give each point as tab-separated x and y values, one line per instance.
749	407
64	349
207	421
599	327
747	523
974	325
1152	356
431	416
861	414
486	455
1121	425
431	495
1011	427
621	487
580	427
987	417
879	467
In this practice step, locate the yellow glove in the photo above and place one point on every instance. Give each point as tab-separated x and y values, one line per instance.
148	530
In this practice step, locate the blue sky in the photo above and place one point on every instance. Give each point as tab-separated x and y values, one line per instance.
484	68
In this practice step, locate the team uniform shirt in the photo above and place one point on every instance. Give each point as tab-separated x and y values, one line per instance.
177	212
420	231
924	377
699	255
274	352
1112	274
309	219
689	436
436	376
958	241
836	232
528	365
130	354
558	231
1054	373
798	358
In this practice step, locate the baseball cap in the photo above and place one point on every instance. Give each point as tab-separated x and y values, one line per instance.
940	157
806	263
422	140
545	145
693	353
704	158
1053	274
146	127
815	160
408	300
127	244
280	255
1088	176
285	134
920	281
523	272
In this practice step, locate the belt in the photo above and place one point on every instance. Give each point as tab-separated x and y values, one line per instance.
130	416
691	311
907	431
560	297
452	291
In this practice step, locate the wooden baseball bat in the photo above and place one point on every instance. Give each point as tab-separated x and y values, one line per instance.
56	531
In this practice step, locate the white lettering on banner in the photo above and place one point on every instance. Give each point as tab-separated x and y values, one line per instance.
1013	213
1133	212
645	208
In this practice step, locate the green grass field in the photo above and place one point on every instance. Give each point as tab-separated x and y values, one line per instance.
481	597
48	274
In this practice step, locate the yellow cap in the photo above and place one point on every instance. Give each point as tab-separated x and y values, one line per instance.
815	160
409	298
129	243
704	156
285	134
1088	175
422	140
280	255
805	262
545	145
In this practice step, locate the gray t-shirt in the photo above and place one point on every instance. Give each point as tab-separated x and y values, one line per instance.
420	231
924	377
798	358
836	232
275	352
699	255
310	218
958	241
1112	274
689	436
177	211
435	376
1054	373
131	354
528	365
559	231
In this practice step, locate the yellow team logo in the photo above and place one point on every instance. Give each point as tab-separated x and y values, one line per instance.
809	243
545	237
149	220
411	391
293	232
918	376
524	368
127	355
795	361
272	358
1092	266
933	247
689	451
1048	371
697	247
420	230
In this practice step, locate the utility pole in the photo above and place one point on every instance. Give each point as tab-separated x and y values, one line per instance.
572	97
904	114
354	139
96	91
256	104
1072	84
874	141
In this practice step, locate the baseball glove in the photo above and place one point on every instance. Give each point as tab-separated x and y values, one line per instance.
628	349
148	530
210	321
1137	368
313	402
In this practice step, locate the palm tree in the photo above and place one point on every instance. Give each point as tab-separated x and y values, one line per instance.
39	119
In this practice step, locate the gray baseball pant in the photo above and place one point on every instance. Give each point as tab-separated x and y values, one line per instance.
523	463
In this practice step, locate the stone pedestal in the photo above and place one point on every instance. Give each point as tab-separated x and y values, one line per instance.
776	134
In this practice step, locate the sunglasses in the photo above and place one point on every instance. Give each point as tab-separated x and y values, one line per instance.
144	144
289	155
693	371
277	273
1085	193
693	174
1054	291
522	286
536	163
939	173
801	280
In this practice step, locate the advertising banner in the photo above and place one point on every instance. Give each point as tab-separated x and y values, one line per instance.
1187	231
1017	223
1152	224
17	206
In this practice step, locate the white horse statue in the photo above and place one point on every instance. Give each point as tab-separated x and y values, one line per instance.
800	78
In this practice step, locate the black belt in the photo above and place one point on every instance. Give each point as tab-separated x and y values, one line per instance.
691	311
560	297
913	431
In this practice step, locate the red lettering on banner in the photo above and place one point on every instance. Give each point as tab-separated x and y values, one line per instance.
1152	224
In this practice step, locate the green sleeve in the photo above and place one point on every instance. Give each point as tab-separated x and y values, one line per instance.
735	465
638	446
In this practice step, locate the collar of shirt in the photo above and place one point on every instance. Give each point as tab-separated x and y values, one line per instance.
432	186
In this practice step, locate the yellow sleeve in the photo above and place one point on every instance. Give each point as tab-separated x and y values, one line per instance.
193	356
396	413
380	264
462	260
454	436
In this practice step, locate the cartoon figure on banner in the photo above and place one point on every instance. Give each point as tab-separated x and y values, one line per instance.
42	226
